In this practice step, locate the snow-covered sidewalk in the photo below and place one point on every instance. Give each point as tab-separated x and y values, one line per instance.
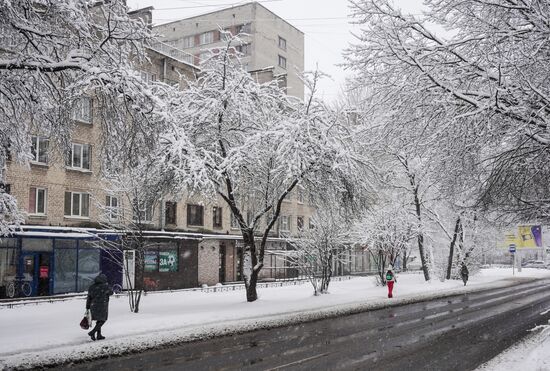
532	353
48	333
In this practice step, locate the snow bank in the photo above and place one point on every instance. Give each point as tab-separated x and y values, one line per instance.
48	333
532	353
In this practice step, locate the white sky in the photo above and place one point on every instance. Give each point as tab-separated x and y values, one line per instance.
324	22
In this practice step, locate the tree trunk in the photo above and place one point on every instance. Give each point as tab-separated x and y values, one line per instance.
251	292
452	248
250	267
420	234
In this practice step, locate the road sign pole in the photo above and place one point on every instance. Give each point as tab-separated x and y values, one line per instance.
512	250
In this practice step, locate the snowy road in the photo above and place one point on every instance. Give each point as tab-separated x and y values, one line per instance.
457	333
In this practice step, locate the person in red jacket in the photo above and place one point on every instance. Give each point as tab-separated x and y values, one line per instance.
390	280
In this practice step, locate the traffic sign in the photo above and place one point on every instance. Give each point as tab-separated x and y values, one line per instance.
512	248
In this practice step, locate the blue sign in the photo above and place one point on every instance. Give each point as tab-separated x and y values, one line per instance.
512	248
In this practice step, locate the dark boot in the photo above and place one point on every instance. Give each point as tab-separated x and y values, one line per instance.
98	326
92	334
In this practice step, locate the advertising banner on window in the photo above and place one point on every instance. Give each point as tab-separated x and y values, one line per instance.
150	261
168	261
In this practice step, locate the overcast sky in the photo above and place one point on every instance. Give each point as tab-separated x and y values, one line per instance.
325	24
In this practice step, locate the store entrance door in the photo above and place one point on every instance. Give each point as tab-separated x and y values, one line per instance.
37	272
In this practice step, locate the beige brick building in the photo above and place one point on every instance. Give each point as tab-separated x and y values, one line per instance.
270	41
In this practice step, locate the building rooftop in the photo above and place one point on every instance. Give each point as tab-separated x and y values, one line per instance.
232	7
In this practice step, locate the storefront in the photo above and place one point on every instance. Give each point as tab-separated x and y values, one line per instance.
42	263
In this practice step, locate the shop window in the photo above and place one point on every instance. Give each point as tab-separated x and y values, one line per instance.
8	262
77	204
217	217
168	261
39	149
171	212
37	201
88	267
65	271
80	156
37	244
195	215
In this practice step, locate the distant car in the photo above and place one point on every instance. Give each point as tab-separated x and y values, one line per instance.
536	264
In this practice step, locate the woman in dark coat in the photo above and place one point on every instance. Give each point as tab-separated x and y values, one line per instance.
464	273
98	303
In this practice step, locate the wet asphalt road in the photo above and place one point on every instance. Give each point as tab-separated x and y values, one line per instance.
456	333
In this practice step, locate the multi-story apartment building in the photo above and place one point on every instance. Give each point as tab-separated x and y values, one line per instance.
194	241
269	43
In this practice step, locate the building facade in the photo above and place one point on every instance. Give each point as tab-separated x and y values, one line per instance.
191	240
268	41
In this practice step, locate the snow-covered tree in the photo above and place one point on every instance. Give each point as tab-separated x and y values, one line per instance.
316	250
54	55
386	232
480	92
252	144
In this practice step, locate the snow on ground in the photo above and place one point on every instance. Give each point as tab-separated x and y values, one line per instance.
533	354
49	333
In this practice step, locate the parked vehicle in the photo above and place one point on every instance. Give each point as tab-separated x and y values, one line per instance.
536	264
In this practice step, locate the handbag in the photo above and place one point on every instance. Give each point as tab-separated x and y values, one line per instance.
86	321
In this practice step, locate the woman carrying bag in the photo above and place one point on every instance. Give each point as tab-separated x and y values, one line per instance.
98	304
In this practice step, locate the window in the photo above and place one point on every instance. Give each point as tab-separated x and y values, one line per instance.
5	188
142	211
170	212
282	43
144	77
244	28
188	42
39	149
203	56
282	62
189	58
111	207
244	49
77	204
151	259
195	215
300	223
285	223
234	222
207	38
300	195
217	217
37	201
82	110
153	77
80	156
